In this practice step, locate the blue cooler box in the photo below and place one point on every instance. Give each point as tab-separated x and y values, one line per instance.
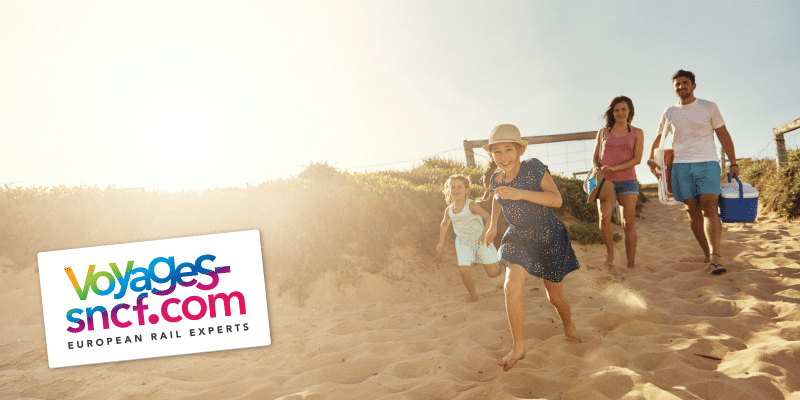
738	202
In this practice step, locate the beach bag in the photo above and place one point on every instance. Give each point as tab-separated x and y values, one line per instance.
589	184
664	158
596	183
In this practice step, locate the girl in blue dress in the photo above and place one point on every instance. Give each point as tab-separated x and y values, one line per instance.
536	242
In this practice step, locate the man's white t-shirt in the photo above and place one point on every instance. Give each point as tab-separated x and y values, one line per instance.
693	127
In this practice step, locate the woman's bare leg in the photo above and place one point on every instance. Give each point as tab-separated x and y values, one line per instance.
627	204
605	206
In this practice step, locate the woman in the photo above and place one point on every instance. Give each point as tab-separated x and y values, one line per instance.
618	149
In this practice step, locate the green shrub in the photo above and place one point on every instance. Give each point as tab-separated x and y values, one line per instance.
574	199
442	163
588	233
320	172
779	190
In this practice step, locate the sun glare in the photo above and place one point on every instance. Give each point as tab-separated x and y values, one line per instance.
180	133
630	299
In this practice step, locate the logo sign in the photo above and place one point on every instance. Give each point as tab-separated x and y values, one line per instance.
152	299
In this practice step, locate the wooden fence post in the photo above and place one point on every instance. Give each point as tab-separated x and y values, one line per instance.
780	150
469	154
780	143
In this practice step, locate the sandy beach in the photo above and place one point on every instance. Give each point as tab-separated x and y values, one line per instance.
666	329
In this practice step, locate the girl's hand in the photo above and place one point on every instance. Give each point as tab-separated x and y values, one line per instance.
606	169
439	248
508	193
490	234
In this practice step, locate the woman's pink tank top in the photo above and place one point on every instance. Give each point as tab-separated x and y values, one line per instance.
616	151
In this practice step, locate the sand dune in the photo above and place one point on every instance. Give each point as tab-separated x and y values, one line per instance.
664	330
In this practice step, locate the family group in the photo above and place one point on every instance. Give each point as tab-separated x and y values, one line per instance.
537	242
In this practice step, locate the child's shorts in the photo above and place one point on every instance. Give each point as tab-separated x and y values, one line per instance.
470	252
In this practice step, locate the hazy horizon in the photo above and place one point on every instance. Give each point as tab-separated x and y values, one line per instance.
183	95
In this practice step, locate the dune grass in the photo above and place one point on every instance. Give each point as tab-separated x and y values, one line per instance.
779	191
322	220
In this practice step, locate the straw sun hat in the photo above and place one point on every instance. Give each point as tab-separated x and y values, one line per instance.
505	133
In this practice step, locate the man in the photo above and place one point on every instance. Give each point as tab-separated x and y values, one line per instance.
696	171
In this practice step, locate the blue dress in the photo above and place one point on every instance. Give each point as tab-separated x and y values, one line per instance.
536	239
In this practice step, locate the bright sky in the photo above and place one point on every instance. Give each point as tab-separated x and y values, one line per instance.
174	94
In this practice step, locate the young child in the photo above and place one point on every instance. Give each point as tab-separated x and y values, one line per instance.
536	242
469	220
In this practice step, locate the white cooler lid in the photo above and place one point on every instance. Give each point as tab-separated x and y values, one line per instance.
731	190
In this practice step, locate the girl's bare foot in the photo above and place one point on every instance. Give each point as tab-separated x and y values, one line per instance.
572	334
631	265
609	260
511	359
470	299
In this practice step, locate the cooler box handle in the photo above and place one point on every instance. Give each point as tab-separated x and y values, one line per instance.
741	187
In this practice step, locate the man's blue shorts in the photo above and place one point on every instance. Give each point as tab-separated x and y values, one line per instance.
692	179
626	187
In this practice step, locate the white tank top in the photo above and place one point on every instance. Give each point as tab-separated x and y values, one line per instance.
466	223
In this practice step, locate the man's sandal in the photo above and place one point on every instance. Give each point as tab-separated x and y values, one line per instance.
716	269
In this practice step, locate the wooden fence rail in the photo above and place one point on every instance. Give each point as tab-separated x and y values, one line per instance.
469	145
780	143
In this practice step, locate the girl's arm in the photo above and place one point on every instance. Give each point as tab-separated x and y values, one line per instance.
638	150
491	231
549	196
443	230
476	209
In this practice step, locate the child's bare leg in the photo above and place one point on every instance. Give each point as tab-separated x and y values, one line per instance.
555	294
493	270
466	277
515	280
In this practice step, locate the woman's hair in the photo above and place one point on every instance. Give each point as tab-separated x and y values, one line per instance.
446	191
610	112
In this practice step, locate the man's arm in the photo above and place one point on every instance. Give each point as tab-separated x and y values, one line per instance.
662	128
650	163
727	145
